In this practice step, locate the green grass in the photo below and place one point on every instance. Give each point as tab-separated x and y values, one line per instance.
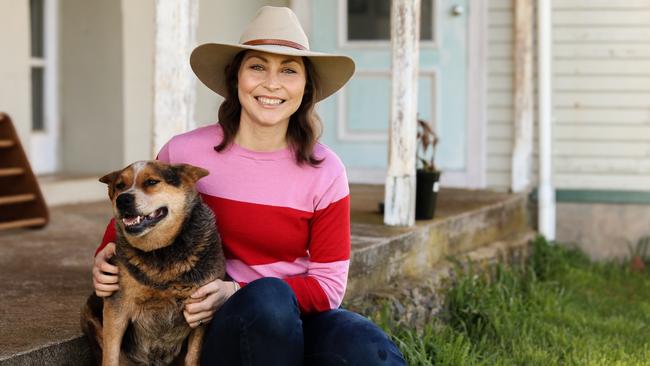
560	310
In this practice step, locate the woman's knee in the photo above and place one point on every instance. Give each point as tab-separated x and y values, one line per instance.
372	344
344	335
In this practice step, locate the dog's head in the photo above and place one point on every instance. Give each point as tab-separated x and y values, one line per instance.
151	200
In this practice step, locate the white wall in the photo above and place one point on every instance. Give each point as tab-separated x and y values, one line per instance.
91	86
15	85
500	94
602	94
138	40
601	85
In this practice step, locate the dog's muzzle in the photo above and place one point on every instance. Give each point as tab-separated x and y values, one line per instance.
126	204
136	222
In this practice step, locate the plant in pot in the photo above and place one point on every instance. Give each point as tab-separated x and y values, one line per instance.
427	175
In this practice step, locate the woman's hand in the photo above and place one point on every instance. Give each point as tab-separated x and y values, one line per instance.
105	279
200	307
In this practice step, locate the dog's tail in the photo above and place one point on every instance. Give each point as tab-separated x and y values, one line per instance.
91	324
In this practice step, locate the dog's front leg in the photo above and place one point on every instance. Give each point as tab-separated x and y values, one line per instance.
194	346
115	323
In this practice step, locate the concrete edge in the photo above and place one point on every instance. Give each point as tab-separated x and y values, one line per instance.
71	351
411	253
71	191
414	301
513	200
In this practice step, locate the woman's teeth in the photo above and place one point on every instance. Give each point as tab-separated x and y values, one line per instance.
269	101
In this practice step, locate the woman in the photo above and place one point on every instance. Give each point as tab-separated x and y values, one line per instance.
282	205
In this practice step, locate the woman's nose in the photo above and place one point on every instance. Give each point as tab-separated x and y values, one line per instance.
271	82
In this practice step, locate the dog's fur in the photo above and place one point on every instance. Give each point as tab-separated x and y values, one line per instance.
167	247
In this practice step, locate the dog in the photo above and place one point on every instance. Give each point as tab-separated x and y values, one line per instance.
167	246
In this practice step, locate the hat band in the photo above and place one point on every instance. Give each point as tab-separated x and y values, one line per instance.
276	42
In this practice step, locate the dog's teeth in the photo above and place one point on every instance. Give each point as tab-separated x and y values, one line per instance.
132	221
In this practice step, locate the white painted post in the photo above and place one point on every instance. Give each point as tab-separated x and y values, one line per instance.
400	181
522	151
174	92
546	196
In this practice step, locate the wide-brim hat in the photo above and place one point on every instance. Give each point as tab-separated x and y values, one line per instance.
274	30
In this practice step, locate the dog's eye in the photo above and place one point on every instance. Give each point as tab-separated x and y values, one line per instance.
150	182
120	185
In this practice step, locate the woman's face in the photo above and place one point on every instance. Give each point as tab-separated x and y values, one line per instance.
270	87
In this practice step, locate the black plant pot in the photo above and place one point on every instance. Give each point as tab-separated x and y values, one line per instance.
426	192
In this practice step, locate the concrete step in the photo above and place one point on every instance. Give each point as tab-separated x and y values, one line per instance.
383	254
71	189
414	301
68	352
46	273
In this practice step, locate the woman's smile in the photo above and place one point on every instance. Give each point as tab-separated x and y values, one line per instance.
269	101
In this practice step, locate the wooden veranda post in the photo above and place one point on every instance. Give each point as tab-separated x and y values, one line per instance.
523	97
400	181
174	95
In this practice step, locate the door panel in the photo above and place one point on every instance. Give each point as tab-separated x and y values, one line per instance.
356	119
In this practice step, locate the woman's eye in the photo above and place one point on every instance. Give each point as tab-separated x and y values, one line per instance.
120	185
151	182
289	71
257	67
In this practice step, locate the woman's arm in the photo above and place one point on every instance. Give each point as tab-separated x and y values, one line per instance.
324	285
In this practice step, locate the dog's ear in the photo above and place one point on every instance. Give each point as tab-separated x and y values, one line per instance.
178	173
110	177
191	172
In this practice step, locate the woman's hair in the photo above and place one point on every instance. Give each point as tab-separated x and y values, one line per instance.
304	124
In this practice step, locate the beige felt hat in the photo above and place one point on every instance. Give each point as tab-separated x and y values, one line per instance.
274	30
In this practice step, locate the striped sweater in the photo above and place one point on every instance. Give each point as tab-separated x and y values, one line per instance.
275	218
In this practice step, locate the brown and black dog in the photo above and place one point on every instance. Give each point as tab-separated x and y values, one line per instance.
167	246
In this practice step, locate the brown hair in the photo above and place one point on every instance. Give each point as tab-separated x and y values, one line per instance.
304	124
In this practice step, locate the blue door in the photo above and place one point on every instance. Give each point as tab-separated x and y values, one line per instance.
356	119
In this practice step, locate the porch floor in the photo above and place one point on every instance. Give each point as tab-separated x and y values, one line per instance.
45	274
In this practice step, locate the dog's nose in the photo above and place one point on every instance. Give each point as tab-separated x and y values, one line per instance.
125	201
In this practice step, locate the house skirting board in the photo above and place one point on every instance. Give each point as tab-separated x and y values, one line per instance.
603	196
602	223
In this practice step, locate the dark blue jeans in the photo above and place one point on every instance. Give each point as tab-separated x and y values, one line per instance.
261	325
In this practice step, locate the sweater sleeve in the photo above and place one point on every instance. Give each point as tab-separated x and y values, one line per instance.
109	234
324	285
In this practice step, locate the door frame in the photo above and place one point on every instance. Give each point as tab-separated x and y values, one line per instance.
44	145
474	175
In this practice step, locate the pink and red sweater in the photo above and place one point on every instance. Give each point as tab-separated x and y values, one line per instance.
275	218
